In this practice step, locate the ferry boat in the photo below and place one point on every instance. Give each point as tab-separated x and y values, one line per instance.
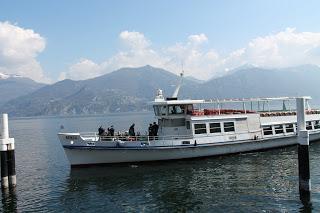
197	128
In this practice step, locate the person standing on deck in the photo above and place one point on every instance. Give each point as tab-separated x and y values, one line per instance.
155	128
101	131
111	131
131	130
150	131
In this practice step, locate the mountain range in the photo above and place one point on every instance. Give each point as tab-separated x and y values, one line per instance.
130	89
14	86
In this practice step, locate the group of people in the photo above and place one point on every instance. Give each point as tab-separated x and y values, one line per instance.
153	129
103	132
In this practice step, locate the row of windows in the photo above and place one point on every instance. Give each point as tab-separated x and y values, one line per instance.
278	129
214	127
289	128
312	125
172	109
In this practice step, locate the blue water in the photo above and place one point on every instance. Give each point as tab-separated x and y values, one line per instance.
253	182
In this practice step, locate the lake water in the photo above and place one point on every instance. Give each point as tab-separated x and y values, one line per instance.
253	182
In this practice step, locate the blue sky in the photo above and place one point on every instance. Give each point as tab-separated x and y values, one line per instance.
87	32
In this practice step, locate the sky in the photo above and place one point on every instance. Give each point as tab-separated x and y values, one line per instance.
54	40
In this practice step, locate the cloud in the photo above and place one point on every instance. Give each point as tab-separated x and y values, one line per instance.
134	40
138	51
198	39
18	51
283	49
81	70
20	47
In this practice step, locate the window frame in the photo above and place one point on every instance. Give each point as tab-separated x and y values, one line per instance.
233	129
309	125
279	129
286	126
197	129
270	129
212	129
179	109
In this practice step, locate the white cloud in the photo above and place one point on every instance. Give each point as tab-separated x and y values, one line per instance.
18	51
81	70
282	49
20	47
134	40
139	52
198	39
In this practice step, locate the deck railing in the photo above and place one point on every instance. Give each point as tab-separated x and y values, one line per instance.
142	137
158	138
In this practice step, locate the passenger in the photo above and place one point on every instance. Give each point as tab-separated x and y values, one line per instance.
150	131
131	130
111	131
101	131
174	110
155	128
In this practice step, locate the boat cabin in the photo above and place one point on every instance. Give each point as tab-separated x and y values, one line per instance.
228	119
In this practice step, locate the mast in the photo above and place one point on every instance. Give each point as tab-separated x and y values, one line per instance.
176	91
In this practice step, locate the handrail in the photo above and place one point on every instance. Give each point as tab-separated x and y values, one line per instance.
142	137
287	113
166	137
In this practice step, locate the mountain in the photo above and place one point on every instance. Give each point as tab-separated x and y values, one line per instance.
127	89
130	89
13	86
191	78
258	82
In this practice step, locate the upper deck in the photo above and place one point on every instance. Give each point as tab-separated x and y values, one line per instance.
174	108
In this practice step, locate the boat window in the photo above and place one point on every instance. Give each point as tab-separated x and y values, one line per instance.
156	110
189	109
200	129
278	129
188	124
176	109
289	128
163	110
309	125
215	127
267	130
228	126
317	124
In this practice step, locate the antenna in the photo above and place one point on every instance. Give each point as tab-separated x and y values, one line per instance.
176	91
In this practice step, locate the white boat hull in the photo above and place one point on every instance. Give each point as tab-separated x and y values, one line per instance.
81	156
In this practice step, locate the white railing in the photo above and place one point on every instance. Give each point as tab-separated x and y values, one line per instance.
143	137
170	140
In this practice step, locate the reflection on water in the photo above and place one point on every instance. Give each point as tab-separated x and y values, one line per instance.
248	181
252	182
9	200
